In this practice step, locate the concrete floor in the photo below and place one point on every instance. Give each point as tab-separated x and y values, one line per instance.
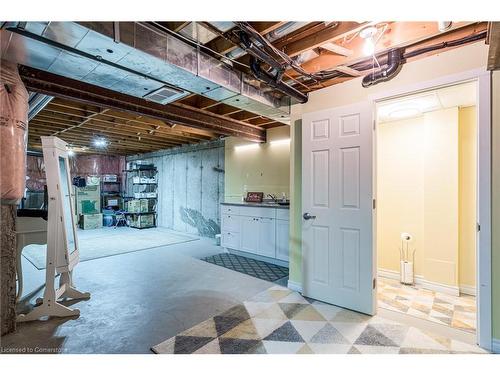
138	300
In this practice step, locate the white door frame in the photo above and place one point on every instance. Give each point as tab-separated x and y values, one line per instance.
483	250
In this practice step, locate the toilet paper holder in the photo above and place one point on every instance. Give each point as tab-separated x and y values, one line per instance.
407	260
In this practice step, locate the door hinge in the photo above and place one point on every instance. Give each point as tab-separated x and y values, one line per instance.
374	203
478	227
374	283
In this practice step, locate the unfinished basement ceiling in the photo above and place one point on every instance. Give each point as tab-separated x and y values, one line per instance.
145	86
125	133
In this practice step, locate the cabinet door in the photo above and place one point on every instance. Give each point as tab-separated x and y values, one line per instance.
250	234
230	223
267	237
230	240
282	231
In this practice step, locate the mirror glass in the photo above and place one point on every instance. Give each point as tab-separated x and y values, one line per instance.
66	203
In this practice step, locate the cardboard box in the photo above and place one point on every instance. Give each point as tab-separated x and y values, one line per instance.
142	221
91	221
109	177
134	205
144	205
93	180
88	199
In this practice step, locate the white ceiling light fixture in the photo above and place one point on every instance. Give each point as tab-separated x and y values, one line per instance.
368	34
71	153
100	142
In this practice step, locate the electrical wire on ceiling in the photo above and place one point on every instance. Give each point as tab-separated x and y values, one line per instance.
366	65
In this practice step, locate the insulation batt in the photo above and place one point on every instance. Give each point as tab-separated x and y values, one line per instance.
13	133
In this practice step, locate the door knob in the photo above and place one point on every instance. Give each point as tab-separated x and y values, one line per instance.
306	216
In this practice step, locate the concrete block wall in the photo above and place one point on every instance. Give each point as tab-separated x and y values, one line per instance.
190	187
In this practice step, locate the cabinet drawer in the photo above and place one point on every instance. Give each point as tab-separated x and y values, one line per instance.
282	214
258	212
231	223
230	210
230	240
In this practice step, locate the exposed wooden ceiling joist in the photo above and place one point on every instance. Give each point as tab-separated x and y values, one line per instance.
398	34
296	47
58	86
494	45
458	33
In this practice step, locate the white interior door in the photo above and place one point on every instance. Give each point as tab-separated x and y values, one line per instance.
338	256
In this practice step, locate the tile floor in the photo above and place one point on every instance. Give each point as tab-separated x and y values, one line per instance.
456	312
280	321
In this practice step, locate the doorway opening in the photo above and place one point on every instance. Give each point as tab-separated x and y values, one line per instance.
426	221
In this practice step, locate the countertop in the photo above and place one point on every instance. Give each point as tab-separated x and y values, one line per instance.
263	204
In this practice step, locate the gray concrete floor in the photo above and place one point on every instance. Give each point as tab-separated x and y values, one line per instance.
138	300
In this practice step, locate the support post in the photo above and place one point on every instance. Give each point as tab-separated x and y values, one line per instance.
8	269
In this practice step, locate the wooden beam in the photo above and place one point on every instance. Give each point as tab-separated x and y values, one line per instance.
494	45
455	34
70	108
318	39
58	86
398	34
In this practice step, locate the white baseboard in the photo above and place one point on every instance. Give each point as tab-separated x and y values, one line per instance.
495	346
295	286
468	289
420	281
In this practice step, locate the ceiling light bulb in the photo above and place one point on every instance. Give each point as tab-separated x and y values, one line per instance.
100	142
368	32
71	153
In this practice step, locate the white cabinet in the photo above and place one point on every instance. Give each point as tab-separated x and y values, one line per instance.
262	231
282	230
230	240
250	234
267	237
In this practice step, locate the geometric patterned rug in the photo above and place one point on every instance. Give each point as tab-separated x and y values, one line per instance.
280	321
454	311
251	267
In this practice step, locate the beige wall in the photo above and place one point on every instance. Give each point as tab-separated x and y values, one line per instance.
467	207
441	196
425	186
265	167
400	191
462	59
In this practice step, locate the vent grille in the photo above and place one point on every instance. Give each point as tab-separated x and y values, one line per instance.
165	95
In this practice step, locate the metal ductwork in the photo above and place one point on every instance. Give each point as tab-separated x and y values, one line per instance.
36	103
394	65
137	59
275	81
280	32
